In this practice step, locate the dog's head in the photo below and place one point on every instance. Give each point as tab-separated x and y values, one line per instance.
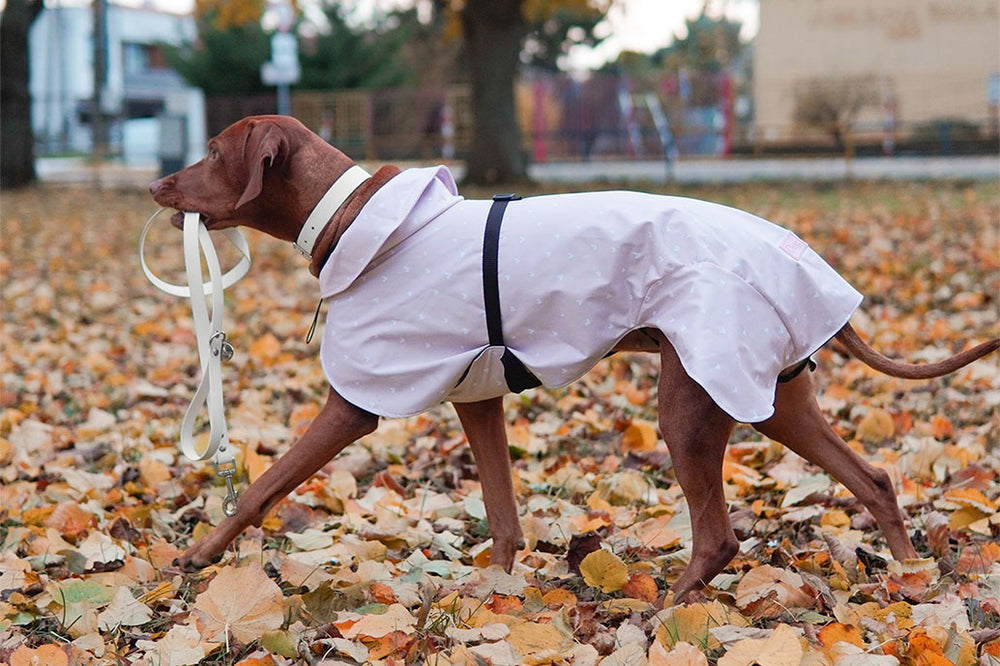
254	174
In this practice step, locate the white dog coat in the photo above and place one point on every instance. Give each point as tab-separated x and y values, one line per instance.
739	298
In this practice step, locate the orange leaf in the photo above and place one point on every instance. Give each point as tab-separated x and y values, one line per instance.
641	586
50	655
559	597
978	558
394	643
924	650
836	632
302	416
382	593
941	427
971	498
266	349
69	519
503	604
638	437
266	660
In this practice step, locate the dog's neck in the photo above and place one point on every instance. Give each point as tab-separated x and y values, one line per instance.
345	213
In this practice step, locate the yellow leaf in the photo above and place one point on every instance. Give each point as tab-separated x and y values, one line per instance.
531	638
876	426
153	472
691	624
835	518
605	570
242	601
256	464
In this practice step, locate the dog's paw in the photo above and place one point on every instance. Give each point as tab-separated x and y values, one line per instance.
191	563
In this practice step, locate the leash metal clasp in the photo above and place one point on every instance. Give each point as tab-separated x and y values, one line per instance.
226	470
220	346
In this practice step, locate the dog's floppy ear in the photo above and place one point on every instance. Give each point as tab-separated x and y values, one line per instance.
265	145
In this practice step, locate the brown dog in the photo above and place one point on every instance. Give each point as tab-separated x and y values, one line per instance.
269	172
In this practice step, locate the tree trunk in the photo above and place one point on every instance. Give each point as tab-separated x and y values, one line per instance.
494	30
17	158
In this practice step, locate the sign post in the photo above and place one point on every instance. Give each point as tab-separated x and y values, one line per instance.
283	68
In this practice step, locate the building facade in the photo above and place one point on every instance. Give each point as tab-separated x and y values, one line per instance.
885	65
140	88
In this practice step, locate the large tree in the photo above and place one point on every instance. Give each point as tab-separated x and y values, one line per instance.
17	158
494	33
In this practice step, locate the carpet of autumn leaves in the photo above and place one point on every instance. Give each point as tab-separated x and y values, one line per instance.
379	558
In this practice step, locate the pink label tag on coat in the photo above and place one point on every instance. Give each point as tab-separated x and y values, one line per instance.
793	246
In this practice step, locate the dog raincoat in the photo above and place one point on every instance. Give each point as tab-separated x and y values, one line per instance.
739	298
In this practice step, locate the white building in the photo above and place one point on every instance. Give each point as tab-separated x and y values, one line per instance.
140	87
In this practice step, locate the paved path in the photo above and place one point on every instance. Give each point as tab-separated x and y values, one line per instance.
69	170
743	170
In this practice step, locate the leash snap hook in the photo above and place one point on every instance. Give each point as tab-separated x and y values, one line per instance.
226	470
220	346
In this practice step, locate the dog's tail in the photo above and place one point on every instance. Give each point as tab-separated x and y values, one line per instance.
861	351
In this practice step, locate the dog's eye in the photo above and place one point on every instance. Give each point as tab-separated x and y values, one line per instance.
213	153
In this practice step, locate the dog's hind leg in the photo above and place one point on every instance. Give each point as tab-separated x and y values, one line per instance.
486	431
799	424
338	424
696	431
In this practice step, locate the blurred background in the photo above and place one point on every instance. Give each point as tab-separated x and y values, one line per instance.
507	89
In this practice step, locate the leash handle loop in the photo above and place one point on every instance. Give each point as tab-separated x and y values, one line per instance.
231	277
213	348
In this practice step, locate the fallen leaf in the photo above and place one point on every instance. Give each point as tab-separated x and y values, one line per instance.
782	648
692	623
767	591
124	611
242	602
395	618
848	654
876	426
181	646
43	655
978	558
641	586
682	654
605	570
639	437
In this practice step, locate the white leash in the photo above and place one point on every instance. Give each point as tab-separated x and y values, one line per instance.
212	345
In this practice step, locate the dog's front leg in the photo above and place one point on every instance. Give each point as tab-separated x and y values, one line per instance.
487	434
338	424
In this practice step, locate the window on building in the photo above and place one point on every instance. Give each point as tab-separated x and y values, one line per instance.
141	58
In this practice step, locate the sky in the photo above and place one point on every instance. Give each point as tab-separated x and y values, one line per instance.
649	25
636	25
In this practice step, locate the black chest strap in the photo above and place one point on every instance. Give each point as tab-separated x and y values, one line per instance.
517	376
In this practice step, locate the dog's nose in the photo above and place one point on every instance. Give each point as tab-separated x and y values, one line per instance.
155	186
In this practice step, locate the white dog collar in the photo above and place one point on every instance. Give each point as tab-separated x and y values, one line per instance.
334	198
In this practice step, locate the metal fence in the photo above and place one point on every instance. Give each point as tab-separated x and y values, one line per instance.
561	118
605	116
